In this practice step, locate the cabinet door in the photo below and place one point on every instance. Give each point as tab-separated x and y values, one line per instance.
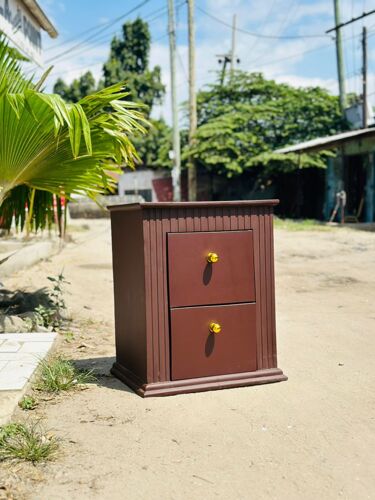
197	352
193	280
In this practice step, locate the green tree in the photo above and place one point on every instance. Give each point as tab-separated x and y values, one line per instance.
153	148
129	61
242	123
63	149
78	89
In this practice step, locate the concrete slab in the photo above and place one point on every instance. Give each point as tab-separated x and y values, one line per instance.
24	255
20	354
38	347
35	337
10	346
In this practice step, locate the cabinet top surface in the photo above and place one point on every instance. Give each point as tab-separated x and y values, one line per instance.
193	204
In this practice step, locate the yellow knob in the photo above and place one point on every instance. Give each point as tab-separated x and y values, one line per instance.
212	257
215	327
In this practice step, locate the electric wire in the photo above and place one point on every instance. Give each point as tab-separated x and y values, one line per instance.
68	51
99	40
273	61
259	35
83	69
282	28
97	26
284	23
316	49
107	37
266	20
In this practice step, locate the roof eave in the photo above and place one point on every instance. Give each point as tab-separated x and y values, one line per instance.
326	142
41	17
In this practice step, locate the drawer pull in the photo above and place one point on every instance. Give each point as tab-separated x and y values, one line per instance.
212	257
215	327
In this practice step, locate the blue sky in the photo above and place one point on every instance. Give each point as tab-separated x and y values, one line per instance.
298	61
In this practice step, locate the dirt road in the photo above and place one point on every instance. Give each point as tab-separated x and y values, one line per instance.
311	437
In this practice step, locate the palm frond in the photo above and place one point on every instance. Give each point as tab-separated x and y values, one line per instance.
47	144
15	209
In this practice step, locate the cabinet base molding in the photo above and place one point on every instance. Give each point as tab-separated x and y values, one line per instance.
170	388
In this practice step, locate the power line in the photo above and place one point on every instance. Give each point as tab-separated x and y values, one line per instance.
99	40
340	25
162	12
282	27
68	51
101	25
81	47
181	63
284	23
265	21
259	35
83	68
316	49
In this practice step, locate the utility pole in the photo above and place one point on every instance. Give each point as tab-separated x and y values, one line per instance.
176	171
364	76
192	170
339	56
229	57
233	49
225	59
340	64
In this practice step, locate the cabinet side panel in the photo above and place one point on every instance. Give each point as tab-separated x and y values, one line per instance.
273	360
129	290
252	221
261	223
263	285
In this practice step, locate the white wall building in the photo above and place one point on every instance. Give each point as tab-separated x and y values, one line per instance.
150	184
22	22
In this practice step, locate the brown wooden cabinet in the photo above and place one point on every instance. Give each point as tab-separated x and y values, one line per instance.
194	296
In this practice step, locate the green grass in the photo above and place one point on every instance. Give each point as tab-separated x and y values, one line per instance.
28	403
69	337
27	441
59	374
301	225
75	228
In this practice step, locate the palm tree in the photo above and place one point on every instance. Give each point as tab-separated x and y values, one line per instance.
64	149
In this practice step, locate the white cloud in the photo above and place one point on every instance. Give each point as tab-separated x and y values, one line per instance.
277	59
87	58
302	81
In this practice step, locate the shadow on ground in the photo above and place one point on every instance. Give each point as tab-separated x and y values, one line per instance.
368	227
101	368
13	302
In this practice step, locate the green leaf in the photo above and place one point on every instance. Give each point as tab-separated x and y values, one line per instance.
41	146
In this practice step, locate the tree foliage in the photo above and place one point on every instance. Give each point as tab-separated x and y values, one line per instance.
78	89
242	123
129	61
64	149
153	148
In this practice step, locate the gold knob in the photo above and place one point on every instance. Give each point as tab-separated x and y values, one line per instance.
212	257
215	327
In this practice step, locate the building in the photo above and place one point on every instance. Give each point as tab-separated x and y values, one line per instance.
150	183
22	22
351	170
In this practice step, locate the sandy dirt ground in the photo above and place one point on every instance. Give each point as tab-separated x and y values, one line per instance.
310	437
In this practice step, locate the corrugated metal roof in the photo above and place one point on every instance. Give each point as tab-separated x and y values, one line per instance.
41	17
329	142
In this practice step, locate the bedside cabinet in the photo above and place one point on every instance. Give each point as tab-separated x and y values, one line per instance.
194	296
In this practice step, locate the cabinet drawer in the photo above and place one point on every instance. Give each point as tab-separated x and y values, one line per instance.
196	352
195	281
